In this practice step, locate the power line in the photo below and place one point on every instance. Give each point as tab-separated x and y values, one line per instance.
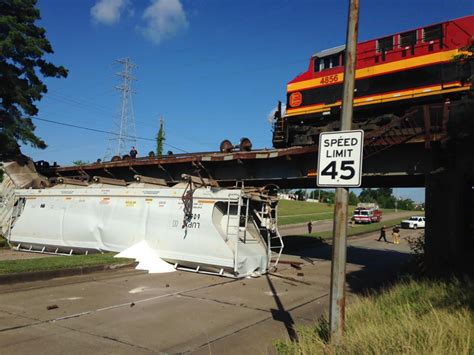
91	107
103	131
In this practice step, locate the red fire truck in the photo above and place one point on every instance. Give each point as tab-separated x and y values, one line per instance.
367	213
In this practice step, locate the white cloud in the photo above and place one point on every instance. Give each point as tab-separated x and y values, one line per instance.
164	18
108	11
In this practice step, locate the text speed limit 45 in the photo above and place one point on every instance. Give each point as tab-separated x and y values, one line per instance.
340	159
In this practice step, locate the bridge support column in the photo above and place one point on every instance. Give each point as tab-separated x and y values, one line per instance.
448	206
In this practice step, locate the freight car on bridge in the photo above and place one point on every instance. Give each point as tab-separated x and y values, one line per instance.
393	74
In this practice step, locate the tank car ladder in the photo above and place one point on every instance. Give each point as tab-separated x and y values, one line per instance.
232	232
267	217
279	134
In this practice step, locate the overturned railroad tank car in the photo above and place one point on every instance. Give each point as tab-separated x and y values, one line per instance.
192	225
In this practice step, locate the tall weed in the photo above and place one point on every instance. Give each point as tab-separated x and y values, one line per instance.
413	317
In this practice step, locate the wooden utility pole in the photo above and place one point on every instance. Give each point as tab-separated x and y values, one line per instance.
338	266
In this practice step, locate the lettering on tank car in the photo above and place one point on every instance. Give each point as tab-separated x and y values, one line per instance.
194	225
206	201
105	201
149	192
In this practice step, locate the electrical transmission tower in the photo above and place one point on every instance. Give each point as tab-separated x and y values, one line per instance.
124	124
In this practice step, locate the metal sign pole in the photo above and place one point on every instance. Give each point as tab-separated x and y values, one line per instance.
338	266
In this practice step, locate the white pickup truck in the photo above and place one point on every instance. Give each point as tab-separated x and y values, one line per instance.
414	222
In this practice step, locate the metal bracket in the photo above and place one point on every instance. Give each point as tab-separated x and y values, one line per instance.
108	172
427	123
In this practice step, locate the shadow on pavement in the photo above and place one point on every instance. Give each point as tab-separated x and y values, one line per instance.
281	314
378	266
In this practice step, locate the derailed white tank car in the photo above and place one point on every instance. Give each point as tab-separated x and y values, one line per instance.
231	232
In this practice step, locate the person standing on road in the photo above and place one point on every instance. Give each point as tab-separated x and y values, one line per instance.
396	235
310	227
382	235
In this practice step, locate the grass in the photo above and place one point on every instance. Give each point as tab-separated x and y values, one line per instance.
412	317
57	263
294	212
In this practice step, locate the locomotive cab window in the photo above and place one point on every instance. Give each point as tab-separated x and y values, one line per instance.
331	61
407	39
385	44
432	33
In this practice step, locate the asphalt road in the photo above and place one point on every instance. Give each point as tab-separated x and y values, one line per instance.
123	312
326	224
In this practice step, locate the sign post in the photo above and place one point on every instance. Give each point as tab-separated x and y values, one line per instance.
344	170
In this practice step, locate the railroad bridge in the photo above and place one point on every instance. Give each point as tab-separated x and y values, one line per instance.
430	146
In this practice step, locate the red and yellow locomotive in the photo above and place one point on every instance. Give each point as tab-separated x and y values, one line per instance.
393	73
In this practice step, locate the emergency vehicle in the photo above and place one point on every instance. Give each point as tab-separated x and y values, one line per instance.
367	213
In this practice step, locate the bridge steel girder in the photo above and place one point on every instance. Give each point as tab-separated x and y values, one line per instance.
399	166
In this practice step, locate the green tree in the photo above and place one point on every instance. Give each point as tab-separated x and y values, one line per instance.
80	162
368	195
406	204
301	194
22	47
383	197
353	199
160	138
322	195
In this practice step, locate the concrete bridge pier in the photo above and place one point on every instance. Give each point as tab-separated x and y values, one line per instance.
449	240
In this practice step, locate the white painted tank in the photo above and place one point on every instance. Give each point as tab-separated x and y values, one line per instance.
230	231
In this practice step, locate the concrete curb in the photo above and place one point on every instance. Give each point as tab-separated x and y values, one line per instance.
51	274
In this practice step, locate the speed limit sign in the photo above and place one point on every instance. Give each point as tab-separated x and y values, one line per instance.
340	159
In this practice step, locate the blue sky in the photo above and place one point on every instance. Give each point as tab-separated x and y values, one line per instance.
214	69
